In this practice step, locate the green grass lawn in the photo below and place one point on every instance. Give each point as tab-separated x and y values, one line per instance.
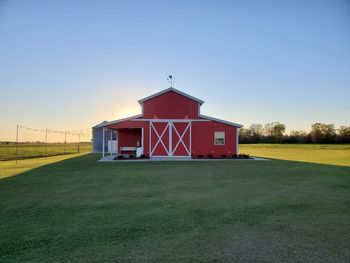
35	150
314	153
10	168
78	210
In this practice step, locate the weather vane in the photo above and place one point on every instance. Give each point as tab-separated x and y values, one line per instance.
171	80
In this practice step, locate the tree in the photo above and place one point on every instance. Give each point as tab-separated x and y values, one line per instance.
322	133
298	137
343	134
256	132
243	135
274	131
253	134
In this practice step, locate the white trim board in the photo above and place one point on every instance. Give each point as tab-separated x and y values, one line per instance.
106	123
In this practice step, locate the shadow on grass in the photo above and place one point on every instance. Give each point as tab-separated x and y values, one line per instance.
88	162
298	161
13	168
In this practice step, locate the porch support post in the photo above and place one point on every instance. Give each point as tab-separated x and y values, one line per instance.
142	140
111	141
103	141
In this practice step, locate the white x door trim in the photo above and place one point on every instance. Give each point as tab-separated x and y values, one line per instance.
170	126
181	139
159	138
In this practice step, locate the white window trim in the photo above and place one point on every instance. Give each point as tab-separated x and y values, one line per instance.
219	138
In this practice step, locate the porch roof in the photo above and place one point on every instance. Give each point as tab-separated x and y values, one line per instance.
107	123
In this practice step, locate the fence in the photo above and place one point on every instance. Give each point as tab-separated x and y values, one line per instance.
35	143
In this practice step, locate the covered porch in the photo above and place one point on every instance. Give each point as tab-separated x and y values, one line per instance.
124	142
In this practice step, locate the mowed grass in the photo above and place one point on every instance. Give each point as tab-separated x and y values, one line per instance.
79	210
336	154
11	168
37	150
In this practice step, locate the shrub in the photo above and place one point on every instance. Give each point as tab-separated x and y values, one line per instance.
210	155
131	156
142	156
120	156
223	156
200	156
243	155
234	156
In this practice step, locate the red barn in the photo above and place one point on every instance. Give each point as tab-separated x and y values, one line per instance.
170	125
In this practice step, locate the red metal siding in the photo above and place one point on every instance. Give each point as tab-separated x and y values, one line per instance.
203	139
127	124
129	137
170	105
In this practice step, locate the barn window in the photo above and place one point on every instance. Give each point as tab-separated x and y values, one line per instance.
219	138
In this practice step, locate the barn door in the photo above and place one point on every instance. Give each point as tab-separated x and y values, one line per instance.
170	139
181	139
159	138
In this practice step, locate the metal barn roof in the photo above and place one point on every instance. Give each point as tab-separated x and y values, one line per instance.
167	90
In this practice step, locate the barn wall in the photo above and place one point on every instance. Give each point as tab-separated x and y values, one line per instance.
170	105
203	139
129	138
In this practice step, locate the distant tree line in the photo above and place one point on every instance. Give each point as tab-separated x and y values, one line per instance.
274	132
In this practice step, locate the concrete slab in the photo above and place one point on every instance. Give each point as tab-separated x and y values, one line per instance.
166	159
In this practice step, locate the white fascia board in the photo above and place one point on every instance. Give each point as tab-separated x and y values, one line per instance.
100	124
106	123
167	90
172	120
221	121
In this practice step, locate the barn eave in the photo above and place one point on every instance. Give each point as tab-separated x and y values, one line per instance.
221	121
106	123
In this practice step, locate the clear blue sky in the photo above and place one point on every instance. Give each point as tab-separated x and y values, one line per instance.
66	65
